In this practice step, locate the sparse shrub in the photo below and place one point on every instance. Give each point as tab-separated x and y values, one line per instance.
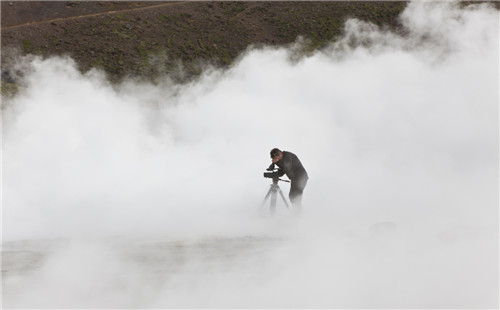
27	46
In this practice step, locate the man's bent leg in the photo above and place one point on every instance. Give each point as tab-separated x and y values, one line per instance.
296	192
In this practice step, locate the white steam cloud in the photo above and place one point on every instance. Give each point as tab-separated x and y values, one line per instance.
147	196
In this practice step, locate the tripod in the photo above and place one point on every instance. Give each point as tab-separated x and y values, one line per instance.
273	194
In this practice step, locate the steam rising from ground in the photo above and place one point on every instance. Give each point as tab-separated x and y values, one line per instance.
144	195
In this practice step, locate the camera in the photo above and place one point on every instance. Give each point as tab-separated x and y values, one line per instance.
273	173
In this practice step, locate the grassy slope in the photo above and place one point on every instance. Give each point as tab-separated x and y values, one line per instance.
125	43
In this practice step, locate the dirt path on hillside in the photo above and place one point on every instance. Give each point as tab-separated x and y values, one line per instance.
93	15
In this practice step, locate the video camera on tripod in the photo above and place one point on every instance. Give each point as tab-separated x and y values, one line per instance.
274	174
273	192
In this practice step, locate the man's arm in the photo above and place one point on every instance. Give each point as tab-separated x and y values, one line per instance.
280	172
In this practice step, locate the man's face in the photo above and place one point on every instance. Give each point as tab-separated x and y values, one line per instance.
276	157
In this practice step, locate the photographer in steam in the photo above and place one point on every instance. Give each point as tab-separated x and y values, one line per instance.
289	164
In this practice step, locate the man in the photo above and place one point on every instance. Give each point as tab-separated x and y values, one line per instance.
290	165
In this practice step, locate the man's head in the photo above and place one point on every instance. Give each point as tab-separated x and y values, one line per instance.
276	155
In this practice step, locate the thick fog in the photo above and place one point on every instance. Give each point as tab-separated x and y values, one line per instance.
145	195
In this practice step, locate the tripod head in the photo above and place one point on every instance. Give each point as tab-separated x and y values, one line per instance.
275	181
275	176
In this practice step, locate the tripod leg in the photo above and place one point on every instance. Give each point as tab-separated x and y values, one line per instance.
273	203
284	199
267	196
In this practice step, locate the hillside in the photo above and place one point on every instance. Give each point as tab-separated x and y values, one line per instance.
146	39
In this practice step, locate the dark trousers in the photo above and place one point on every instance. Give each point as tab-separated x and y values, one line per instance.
296	190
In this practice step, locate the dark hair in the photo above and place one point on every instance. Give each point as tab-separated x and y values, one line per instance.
274	152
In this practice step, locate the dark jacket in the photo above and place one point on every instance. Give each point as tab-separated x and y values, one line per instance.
292	167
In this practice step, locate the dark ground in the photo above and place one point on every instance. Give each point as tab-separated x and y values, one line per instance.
148	39
120	37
